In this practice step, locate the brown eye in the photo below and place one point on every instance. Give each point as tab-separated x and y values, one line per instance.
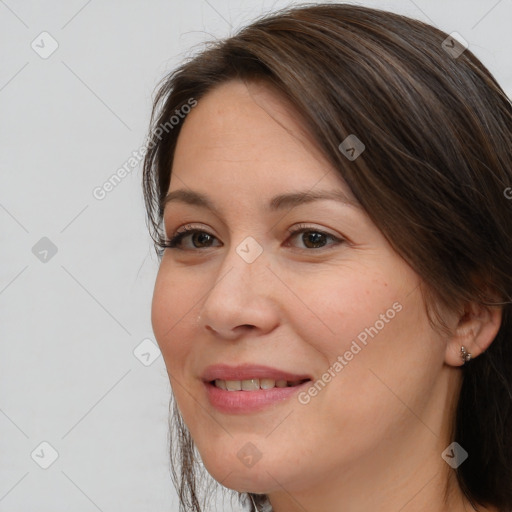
313	238
200	239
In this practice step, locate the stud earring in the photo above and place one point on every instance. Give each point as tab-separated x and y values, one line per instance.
464	354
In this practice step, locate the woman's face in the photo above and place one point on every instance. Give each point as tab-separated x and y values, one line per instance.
333	303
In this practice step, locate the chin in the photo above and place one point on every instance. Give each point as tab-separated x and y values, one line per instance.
255	476
245	480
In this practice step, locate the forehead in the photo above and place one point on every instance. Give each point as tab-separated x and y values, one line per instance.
247	141
239	124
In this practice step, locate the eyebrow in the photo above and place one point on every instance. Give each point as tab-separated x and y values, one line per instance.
279	202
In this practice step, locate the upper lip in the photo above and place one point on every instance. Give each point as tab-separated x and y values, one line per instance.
248	371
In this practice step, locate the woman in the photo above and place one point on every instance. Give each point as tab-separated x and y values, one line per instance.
333	299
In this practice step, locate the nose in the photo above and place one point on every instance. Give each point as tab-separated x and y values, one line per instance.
240	298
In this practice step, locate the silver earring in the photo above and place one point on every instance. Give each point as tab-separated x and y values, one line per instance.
464	354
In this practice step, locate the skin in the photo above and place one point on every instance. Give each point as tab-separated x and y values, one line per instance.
372	438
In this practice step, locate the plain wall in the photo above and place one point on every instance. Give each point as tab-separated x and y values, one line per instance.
71	320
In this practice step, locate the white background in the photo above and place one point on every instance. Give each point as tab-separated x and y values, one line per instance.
69	326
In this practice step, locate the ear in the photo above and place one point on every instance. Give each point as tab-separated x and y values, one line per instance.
476	329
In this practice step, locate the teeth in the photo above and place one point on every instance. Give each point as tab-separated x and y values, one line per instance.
221	384
251	385
254	384
233	385
267	383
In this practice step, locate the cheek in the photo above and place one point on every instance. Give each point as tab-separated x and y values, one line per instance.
173	314
335	312
384	355
370	332
174	319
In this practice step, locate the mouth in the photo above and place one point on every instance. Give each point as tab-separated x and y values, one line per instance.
255	384
249	389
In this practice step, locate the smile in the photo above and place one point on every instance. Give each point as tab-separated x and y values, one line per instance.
234	397
254	384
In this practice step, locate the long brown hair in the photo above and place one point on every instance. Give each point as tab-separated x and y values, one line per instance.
438	157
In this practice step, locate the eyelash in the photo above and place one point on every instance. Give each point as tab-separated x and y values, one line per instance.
177	238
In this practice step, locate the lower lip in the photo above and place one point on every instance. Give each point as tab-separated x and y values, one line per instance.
243	402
